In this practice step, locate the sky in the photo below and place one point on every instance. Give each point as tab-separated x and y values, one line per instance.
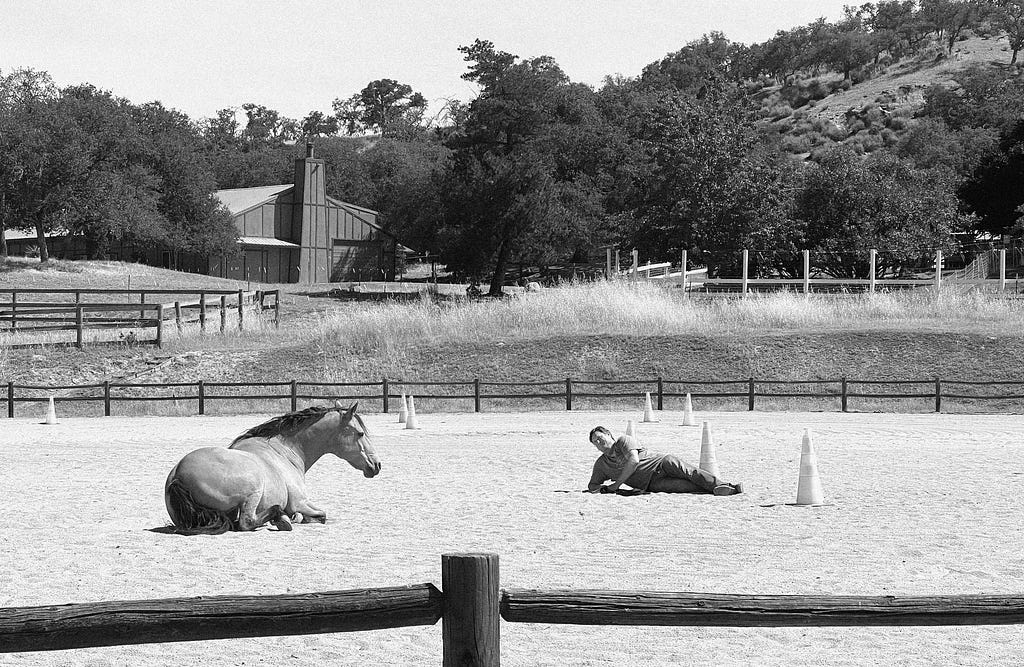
296	57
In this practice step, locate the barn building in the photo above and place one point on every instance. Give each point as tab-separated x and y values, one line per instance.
291	233
295	233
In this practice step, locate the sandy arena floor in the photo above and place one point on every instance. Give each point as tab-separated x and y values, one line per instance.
917	505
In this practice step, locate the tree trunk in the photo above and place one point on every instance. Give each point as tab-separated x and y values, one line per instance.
498	279
44	252
1013	58
3	243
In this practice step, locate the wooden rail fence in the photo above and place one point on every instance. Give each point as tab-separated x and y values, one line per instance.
567	391
471	606
18	316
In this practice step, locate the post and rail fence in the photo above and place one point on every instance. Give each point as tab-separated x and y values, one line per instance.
18	316
567	391
470	605
697	279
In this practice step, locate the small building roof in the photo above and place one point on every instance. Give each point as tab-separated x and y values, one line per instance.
238	200
266	241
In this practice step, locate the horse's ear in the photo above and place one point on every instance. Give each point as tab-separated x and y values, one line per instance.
347	417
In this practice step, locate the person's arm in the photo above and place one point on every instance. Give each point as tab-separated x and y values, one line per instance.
627	471
597	478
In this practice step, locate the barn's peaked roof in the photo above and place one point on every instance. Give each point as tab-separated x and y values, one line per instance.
239	200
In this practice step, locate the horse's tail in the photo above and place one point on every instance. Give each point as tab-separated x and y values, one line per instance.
191	518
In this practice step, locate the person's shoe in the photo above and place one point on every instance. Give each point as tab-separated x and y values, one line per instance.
727	489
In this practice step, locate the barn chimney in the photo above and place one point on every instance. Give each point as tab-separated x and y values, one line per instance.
309	149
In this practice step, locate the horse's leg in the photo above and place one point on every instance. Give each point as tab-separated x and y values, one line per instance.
306	512
247	517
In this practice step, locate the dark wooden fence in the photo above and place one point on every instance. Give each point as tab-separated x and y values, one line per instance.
567	391
58	313
470	606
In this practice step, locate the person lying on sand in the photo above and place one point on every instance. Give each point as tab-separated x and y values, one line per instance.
624	460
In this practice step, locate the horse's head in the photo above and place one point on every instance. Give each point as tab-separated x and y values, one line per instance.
352	442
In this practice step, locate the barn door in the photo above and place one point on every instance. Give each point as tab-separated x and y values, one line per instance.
356	260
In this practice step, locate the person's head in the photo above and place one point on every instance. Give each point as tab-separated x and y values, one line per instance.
601	438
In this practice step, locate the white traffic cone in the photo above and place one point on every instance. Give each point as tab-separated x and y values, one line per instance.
708	462
649	410
403	412
410	419
631	428
688	412
808	489
51	413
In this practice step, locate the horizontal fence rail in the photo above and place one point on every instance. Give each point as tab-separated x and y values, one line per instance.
601	607
471	606
387	392
60	627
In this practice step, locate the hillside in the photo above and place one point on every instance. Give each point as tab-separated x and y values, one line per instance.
810	113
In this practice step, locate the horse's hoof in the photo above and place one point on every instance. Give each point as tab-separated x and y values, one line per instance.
283	523
298	518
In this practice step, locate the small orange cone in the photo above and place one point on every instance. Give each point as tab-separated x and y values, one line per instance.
403	412
631	428
708	462
51	413
410	419
808	490
688	412
649	410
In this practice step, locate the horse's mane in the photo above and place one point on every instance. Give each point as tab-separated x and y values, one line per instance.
286	424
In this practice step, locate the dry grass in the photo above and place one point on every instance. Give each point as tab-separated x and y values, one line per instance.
646	309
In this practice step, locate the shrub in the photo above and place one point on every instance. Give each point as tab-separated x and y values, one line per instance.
795	144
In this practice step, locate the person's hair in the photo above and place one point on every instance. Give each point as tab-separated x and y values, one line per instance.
598	429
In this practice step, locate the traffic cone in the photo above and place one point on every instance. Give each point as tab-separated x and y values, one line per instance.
410	419
631	428
808	490
708	463
688	412
51	413
649	410
403	412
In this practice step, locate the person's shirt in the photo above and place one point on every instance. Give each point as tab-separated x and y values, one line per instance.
610	464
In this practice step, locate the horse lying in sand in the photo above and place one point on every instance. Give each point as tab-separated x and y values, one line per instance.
260	477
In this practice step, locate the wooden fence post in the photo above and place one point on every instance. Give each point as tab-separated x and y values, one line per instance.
241	310
79	326
277	309
177	316
471	621
750	395
1002	270
10	400
607	263
106	398
202	397
295	395
938	395
476	394
938	271
160	325
223	312
202	312
872	259
385	392
568	393
843	398
661	393
682	261
746	260
807	274
14	310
